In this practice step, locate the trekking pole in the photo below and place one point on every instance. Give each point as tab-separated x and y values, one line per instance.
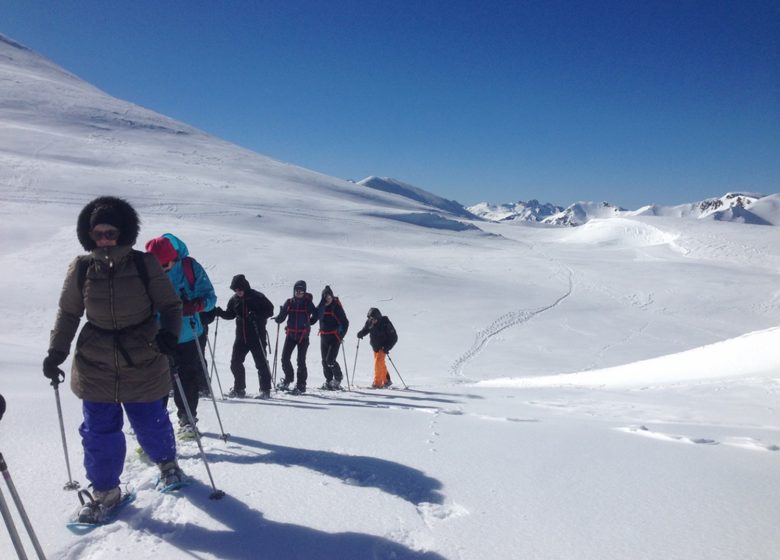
396	370
216	494
344	353
354	366
214	370
213	349
204	370
22	513
276	351
71	485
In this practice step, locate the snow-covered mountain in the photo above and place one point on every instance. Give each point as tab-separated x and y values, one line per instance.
731	207
531	211
567	397
582	212
394	186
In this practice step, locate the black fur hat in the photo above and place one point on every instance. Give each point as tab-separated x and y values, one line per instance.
108	210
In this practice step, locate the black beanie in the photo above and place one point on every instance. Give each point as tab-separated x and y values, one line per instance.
327	292
299	285
239	282
374	313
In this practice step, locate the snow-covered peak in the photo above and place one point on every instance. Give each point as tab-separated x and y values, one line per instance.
582	212
531	211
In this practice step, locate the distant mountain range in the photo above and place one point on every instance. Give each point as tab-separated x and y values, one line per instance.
743	207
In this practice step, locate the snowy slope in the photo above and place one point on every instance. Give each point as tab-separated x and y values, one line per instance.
394	186
603	392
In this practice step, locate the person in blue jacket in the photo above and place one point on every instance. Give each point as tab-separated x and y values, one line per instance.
301	314
191	282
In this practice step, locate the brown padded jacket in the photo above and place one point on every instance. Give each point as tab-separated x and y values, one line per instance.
116	357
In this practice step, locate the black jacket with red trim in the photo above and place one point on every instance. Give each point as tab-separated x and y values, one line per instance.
333	318
300	314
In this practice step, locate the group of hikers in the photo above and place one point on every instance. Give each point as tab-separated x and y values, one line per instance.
147	320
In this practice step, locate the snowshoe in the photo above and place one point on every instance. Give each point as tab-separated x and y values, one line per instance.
98	508
171	477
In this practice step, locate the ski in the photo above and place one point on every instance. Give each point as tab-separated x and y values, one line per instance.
81	528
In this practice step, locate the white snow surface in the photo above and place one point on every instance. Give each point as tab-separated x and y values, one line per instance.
606	393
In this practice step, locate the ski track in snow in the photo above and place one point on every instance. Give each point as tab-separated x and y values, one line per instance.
502	323
741	442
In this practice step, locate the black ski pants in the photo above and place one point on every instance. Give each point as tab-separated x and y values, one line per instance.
187	362
290	343
240	350
329	348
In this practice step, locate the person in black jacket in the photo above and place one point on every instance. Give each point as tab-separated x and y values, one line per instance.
333	328
382	337
251	310
300	313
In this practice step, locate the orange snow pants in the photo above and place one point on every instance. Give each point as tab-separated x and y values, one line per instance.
380	369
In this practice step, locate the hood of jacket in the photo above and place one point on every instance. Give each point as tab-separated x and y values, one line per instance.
123	216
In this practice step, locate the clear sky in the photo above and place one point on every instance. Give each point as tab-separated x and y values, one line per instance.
628	101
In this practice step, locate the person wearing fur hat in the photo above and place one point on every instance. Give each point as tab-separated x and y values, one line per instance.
120	358
251	310
382	337
197	293
333	327
300	313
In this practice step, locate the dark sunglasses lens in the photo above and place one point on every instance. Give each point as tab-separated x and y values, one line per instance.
111	235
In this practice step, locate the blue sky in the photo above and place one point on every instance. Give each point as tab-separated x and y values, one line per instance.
626	101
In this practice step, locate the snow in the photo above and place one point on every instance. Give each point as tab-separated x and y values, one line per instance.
607	392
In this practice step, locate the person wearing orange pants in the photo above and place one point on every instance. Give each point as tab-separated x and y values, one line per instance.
383	337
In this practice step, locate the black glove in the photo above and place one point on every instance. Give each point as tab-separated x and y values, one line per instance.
279	320
51	365
167	342
313	320
360	335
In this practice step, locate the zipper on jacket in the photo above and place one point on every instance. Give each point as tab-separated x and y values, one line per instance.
113	322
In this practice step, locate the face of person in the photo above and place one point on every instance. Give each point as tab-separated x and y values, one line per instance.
104	235
299	293
328	299
239	292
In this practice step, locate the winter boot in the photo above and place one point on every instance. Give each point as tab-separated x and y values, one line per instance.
335	385
170	475
283	386
236	393
264	395
298	391
98	505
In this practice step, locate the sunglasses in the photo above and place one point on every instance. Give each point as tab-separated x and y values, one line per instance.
109	234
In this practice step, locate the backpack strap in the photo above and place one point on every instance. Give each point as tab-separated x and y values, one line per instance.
138	260
189	272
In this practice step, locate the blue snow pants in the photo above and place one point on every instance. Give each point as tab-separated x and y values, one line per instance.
104	441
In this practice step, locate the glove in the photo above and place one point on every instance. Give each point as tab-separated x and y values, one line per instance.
51	365
278	320
313	320
167	342
191	307
360	335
